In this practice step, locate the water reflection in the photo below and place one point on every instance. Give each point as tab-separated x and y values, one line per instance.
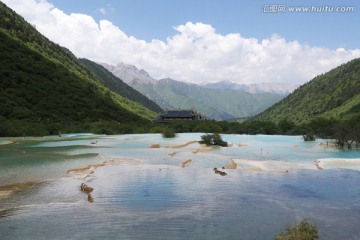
138	202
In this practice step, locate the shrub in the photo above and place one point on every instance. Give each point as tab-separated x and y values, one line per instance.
168	133
309	137
213	139
303	230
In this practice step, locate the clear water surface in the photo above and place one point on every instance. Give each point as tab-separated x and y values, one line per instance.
149	196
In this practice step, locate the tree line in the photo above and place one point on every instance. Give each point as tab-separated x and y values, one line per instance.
346	133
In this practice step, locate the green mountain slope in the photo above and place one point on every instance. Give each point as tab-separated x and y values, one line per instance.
219	104
118	86
335	94
44	88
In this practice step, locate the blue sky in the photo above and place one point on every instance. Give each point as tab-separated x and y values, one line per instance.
203	40
155	19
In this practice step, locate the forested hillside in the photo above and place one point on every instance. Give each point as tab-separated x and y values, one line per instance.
46	89
333	95
118	86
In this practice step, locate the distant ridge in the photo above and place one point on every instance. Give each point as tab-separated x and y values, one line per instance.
219	103
129	73
335	94
276	88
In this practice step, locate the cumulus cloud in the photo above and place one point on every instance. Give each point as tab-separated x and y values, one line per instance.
196	53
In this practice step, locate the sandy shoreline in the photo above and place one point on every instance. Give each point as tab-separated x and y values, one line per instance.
5	194
331	163
186	163
112	162
242	145
202	149
272	166
232	164
6	142
7	190
156	145
182	145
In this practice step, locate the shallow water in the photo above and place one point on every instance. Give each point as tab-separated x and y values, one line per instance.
157	199
283	148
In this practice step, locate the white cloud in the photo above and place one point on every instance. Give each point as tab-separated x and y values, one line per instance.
196	53
102	11
105	10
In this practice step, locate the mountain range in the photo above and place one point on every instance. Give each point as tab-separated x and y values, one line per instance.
45	89
220	101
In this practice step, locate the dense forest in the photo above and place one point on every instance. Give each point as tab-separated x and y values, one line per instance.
18	29
40	97
333	95
46	89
